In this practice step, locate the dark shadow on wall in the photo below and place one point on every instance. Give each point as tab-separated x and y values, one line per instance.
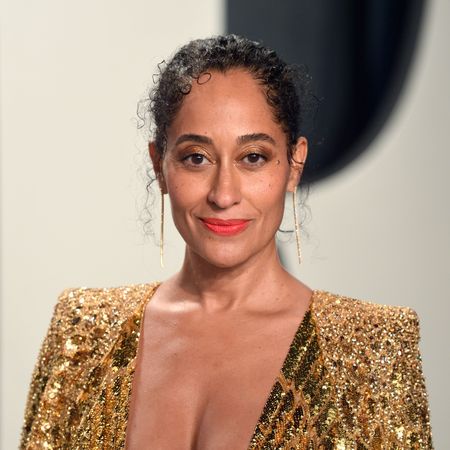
358	53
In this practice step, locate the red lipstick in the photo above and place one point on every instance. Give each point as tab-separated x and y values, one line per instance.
227	227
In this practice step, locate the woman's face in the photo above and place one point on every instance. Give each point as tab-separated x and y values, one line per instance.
226	169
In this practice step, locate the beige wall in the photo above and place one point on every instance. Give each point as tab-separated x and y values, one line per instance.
72	72
72	187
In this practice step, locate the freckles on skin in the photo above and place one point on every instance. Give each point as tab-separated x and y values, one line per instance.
239	108
220	112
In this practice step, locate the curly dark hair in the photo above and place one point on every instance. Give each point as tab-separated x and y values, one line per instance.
282	83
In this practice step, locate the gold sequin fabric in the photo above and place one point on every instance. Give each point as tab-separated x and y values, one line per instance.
79	390
351	380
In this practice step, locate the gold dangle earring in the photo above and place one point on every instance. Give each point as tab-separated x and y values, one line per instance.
161	233
296	227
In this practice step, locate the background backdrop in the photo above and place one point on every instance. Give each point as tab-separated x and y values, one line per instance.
72	183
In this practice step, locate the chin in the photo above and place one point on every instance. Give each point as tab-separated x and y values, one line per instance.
223	258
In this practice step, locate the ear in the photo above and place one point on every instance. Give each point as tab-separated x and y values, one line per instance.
299	154
157	161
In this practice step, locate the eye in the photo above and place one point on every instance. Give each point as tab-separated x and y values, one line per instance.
254	159
195	159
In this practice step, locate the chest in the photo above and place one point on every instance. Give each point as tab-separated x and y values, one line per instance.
203	387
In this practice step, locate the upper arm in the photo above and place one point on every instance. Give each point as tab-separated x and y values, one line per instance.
409	406
49	354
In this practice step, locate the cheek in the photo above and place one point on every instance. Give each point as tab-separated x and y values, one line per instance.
269	191
184	192
181	197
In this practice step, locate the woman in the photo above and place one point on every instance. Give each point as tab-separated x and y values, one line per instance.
232	352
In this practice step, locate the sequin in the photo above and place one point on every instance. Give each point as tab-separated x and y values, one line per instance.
352	378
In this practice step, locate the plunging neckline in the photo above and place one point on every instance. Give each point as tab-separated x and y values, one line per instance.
297	340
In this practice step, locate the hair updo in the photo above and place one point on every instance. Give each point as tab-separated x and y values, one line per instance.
282	83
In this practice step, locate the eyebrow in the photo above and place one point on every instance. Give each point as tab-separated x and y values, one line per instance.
193	138
246	138
241	140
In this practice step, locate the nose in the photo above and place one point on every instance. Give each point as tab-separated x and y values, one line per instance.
225	190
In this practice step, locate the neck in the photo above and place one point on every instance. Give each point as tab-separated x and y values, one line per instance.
243	285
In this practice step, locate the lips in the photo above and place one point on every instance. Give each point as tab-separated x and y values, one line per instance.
227	227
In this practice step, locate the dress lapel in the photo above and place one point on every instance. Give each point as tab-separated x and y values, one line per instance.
104	425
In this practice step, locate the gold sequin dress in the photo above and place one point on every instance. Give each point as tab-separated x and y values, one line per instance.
352	378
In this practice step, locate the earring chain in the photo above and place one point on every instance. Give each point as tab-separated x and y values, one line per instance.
296	226
161	234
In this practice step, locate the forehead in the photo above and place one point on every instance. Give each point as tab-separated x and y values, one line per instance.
232	102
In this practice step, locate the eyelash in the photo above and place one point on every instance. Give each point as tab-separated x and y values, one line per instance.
188	159
261	158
